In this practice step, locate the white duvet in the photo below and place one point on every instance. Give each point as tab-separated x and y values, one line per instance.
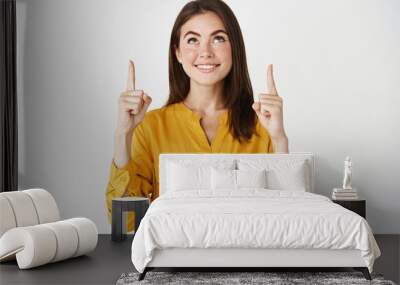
251	218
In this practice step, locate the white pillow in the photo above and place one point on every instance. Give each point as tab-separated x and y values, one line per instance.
183	178
189	175
282	174
293	178
236	179
251	178
223	179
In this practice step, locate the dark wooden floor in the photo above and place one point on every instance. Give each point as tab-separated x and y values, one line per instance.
110	260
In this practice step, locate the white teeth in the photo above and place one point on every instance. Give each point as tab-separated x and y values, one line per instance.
206	66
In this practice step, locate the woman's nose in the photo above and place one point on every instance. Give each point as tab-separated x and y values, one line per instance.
206	50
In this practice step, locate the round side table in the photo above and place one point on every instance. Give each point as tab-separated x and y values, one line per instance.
120	206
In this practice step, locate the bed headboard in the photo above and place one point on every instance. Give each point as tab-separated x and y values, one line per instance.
165	157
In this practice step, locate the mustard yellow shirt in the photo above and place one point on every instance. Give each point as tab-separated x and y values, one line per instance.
172	129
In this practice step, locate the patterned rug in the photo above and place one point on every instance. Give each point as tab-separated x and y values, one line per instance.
242	278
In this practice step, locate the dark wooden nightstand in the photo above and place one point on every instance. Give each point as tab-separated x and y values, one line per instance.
357	206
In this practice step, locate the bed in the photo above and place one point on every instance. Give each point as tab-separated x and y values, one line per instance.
247	211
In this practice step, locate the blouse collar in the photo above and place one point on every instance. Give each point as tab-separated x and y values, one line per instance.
196	116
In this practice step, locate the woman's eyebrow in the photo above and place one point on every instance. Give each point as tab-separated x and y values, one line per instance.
197	34
218	31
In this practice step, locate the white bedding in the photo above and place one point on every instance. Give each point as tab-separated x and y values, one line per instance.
250	218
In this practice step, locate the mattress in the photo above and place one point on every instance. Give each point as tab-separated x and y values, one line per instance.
250	219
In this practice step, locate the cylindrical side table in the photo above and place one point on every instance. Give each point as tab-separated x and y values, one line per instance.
120	206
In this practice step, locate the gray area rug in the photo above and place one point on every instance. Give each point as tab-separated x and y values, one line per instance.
229	278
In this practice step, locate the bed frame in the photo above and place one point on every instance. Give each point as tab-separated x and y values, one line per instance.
261	259
249	259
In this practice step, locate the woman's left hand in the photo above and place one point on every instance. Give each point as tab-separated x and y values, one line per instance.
269	109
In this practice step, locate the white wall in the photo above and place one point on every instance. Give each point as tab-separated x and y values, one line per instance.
337	65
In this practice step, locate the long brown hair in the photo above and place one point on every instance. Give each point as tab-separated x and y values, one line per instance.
238	93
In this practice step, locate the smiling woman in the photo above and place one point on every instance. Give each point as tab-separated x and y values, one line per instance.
210	108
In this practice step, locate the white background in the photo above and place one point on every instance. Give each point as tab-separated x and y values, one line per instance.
336	65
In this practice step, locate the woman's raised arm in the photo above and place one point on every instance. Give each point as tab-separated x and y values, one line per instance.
132	107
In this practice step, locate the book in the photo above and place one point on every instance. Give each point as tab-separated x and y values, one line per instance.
341	190
345	194
345	197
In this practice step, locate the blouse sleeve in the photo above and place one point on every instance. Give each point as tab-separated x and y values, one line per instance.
135	178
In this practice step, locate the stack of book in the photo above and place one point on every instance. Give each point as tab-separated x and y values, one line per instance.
344	194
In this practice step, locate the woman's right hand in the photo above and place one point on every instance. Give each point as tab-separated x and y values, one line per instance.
132	104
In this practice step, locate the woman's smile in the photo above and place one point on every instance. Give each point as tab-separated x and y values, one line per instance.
207	68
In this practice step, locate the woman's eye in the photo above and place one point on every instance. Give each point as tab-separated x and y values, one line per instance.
192	41
219	39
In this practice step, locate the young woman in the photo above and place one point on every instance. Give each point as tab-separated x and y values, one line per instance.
210	108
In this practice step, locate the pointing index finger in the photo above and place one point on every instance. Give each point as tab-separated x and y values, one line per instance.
130	84
271	88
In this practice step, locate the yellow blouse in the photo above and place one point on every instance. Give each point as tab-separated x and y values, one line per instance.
172	129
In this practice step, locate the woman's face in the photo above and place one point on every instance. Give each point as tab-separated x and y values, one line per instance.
204	49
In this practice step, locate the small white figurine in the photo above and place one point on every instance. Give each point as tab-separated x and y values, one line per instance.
347	173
